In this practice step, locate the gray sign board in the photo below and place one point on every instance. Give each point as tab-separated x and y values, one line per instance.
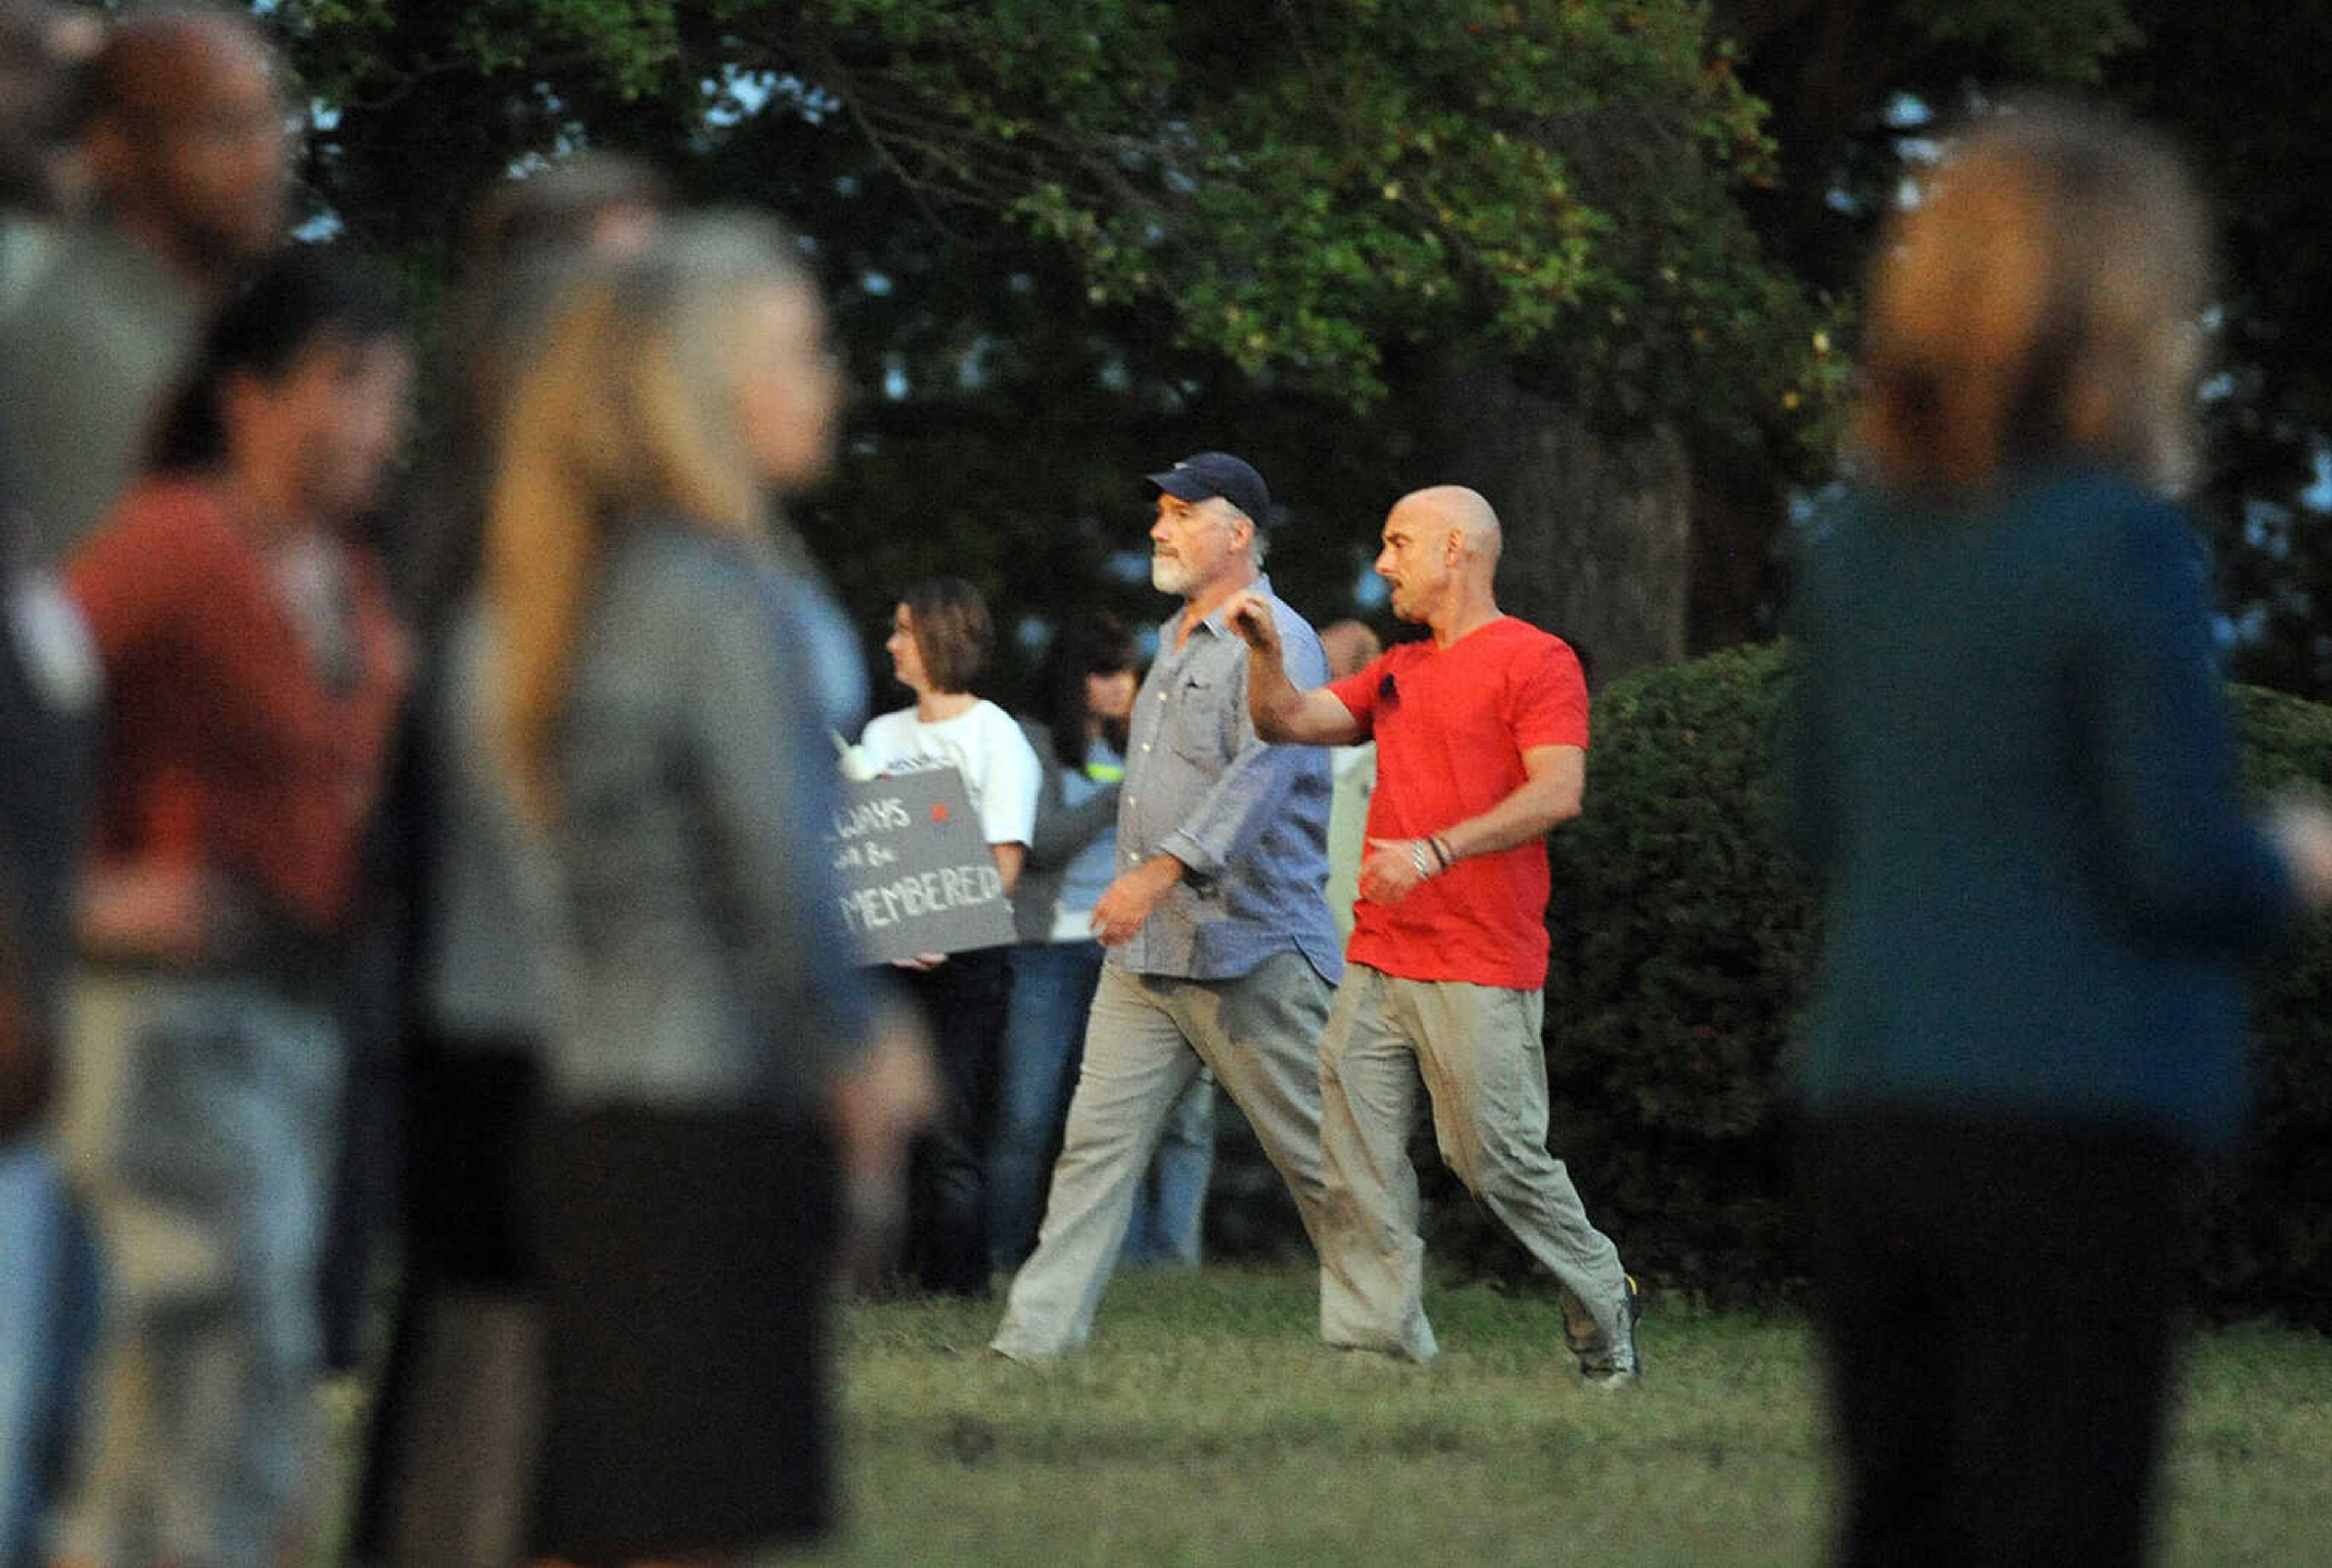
916	874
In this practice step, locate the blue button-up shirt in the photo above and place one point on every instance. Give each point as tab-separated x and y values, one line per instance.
1249	821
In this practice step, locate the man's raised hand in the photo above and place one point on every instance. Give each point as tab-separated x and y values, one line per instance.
1250	616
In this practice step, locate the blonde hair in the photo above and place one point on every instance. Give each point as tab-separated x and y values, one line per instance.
627	407
2043	295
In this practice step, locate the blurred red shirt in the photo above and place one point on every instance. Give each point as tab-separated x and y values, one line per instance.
228	747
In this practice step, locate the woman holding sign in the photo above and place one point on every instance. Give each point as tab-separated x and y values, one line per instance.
657	640
939	643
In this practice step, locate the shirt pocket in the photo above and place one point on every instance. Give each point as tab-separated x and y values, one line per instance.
1198	723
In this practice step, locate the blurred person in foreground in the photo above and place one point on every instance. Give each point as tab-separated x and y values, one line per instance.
100	312
48	692
663	724
186	144
454	1414
2014	773
252	669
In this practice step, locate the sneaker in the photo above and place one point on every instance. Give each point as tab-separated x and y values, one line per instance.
1616	1365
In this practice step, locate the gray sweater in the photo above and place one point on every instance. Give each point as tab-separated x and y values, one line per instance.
706	958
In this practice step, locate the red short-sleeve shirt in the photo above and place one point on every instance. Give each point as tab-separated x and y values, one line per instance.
1452	725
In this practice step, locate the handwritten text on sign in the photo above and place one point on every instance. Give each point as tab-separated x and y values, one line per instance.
916	874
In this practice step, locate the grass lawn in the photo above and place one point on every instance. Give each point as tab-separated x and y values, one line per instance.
1206	1425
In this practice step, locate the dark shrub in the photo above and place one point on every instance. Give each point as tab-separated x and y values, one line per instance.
1683	937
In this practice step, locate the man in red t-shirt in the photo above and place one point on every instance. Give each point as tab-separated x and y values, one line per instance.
1481	737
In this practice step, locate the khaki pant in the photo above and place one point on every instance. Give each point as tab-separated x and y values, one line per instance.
1475	1051
1145	1041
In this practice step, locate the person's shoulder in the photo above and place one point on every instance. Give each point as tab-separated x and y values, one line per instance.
691	605
2102	528
1403	654
1507	646
672	570
169	515
1005	734
667	547
1511	634
96	280
898	720
991	719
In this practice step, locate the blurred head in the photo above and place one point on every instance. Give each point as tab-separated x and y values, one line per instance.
685	377
302	387
189	137
682	381
527	238
39	42
1351	647
940	637
604	204
2042	297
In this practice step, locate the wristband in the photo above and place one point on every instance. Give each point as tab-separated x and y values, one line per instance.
1441	852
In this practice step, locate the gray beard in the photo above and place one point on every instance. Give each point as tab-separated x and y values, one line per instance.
1168	575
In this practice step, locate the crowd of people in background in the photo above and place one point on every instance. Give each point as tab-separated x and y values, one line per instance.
483	799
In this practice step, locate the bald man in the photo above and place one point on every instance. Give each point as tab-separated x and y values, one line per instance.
185	143
1481	734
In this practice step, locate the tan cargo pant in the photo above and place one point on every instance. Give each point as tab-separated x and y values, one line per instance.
1475	1050
1145	1041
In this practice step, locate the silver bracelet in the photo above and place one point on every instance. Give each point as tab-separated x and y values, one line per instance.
1417	858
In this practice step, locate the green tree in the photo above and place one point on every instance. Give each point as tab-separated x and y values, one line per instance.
1853	85
1497	241
2240	86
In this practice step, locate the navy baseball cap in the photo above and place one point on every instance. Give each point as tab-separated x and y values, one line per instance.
1211	474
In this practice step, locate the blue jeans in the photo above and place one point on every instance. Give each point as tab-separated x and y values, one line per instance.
1053	986
48	1313
200	1118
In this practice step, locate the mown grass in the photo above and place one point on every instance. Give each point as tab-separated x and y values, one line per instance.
1206	1425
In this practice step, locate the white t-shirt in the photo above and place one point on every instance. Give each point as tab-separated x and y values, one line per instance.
983	744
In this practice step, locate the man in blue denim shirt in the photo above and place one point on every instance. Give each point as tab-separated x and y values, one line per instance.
1221	948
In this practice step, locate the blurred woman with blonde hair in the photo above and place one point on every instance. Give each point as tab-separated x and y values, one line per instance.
2014	770
661	647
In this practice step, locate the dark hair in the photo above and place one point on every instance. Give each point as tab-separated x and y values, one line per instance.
951	631
305	293
1089	642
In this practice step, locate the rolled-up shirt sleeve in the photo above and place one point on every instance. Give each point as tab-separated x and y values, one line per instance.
1218	828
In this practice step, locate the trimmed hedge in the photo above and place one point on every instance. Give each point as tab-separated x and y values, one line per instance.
1683	939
